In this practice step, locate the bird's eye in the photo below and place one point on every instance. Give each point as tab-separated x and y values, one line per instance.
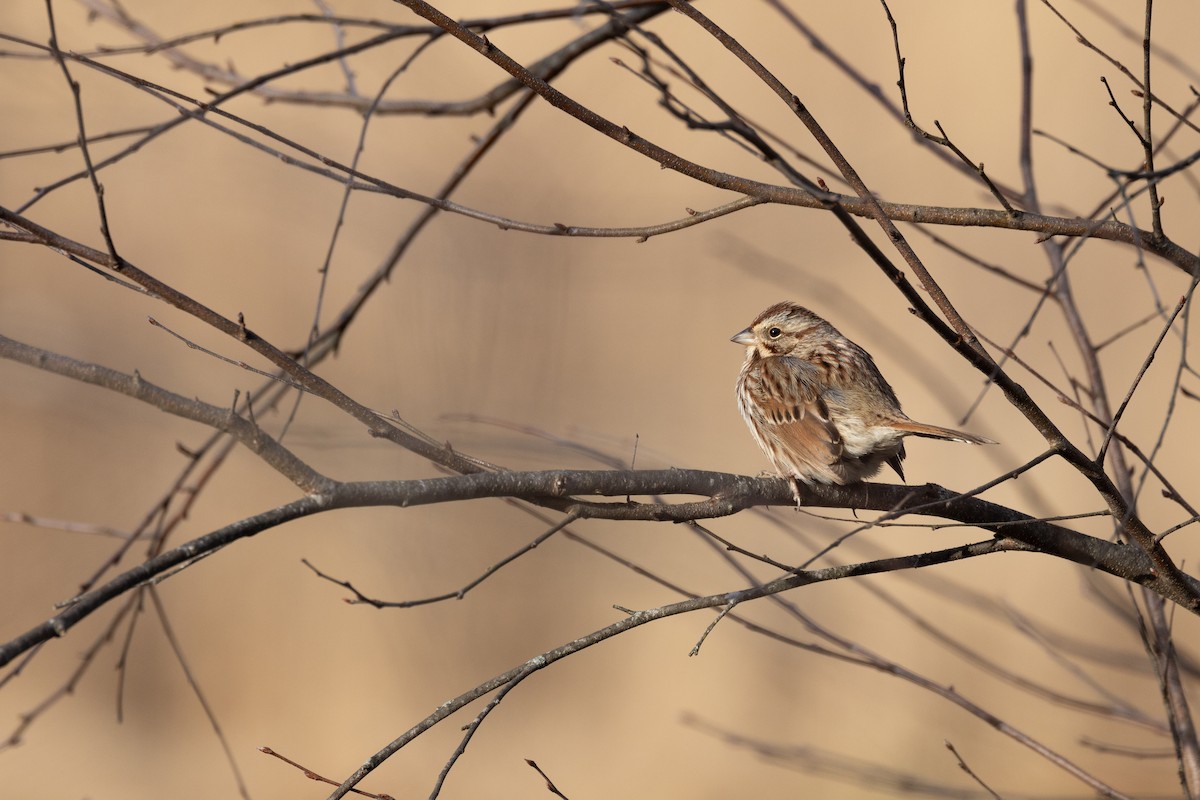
774	333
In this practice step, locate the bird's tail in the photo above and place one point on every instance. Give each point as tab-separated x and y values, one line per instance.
935	432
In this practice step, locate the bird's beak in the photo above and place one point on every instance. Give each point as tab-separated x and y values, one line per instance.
746	338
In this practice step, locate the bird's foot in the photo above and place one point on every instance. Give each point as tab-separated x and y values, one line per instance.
795	484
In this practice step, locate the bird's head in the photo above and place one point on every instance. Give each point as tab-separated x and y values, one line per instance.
785	329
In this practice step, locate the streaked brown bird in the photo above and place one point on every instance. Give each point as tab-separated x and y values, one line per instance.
817	404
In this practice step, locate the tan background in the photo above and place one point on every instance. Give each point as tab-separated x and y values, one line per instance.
598	340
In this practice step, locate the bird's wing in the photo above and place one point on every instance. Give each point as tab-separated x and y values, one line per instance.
797	418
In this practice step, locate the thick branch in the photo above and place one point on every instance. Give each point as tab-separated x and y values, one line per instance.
562	489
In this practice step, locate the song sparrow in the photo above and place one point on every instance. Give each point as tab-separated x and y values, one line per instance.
817	404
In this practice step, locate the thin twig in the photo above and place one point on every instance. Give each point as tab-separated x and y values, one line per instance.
970	772
1116	418
315	776
459	593
943	140
550	787
209	712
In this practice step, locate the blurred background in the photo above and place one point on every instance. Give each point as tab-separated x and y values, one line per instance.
614	345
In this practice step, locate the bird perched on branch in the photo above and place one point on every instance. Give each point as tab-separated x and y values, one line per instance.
817	404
